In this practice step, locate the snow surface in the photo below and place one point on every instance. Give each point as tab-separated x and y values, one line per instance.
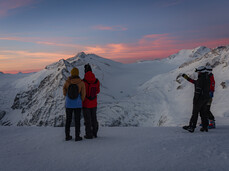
116	149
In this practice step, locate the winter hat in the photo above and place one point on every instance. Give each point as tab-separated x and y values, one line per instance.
74	72
87	68
200	69
208	69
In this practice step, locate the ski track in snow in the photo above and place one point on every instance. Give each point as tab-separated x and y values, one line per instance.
129	148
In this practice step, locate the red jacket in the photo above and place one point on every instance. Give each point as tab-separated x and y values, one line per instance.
212	86
89	78
212	82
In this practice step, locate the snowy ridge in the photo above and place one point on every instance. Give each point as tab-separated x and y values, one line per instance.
184	56
147	93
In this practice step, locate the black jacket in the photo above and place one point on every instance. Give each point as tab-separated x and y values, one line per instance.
202	88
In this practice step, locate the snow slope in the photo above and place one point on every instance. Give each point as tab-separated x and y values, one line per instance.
148	93
187	55
116	149
8	90
169	96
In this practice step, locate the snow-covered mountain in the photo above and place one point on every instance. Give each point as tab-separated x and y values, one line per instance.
170	96
187	55
148	93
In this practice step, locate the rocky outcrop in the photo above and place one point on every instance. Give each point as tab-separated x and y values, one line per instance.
2	114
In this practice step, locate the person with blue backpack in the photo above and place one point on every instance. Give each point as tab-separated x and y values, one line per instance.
75	92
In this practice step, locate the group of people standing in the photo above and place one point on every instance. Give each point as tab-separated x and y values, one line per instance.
81	95
204	92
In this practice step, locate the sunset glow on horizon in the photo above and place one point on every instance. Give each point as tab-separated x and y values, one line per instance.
36	33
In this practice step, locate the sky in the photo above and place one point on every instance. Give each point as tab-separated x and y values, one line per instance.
36	33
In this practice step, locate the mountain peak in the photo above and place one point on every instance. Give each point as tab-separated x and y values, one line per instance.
187	55
81	55
61	62
77	57
199	51
201	48
221	47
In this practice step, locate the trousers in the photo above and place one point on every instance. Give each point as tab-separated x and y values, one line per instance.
90	121
77	117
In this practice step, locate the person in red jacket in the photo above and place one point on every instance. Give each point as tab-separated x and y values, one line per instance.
90	103
200	100
212	89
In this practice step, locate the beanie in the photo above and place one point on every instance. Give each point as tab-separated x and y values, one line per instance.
87	68
209	69
74	72
200	69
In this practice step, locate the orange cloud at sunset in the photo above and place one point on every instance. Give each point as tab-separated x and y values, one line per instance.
146	48
15	61
150	46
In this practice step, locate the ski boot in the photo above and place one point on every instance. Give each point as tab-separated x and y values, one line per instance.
189	128
211	124
68	138
88	136
78	138
204	129
95	135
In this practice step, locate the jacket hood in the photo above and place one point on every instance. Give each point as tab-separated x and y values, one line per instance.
74	80
202	74
90	77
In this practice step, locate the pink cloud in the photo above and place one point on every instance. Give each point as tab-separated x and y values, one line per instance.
113	28
6	6
151	47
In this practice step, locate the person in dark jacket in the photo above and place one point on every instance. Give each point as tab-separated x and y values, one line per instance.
73	104
90	103
212	89
200	100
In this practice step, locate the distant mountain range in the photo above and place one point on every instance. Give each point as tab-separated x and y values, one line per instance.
146	93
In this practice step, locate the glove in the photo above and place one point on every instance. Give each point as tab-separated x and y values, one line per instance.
185	76
211	94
